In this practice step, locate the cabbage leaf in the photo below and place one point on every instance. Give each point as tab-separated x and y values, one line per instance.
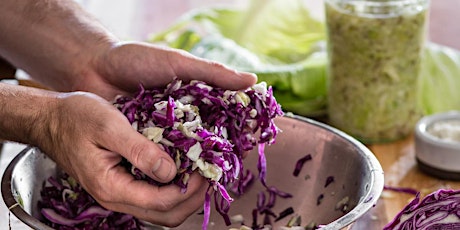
285	46
440	79
277	40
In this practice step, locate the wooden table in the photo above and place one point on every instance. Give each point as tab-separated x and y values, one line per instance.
401	170
397	158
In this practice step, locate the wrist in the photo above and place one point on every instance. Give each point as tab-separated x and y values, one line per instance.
27	114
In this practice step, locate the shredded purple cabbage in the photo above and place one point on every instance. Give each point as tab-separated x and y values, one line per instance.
401	189
319	199
206	129
329	180
300	163
264	206
284	213
66	205
438	210
246	180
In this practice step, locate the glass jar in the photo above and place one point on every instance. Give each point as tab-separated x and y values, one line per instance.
375	49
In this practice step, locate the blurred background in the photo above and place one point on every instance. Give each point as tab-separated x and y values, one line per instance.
136	19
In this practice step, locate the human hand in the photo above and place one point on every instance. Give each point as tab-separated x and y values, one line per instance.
89	137
119	69
65	49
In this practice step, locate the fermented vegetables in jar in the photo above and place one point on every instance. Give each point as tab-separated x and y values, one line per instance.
375	49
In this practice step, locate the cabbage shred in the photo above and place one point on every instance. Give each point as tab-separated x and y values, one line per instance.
205	129
67	206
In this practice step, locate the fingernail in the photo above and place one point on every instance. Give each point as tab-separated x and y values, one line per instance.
248	74
162	169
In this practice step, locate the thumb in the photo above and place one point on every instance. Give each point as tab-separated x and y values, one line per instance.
144	155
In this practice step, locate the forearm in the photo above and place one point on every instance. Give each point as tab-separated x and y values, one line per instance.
25	113
52	40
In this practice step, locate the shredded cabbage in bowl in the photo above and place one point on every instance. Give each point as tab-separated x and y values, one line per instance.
204	129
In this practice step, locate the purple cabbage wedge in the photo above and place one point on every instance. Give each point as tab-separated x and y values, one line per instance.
206	129
67	206
438	210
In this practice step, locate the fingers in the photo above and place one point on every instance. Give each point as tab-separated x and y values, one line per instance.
141	152
189	67
112	131
128	64
165	205
101	133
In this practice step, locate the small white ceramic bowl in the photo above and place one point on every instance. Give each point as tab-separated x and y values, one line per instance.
437	145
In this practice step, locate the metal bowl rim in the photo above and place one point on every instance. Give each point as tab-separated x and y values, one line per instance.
9	199
368	201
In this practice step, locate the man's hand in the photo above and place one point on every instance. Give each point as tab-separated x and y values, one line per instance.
122	67
88	139
65	49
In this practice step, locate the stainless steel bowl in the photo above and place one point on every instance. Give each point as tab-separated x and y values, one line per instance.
358	179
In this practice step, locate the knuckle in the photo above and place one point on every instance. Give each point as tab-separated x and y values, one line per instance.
165	206
135	153
216	64
101	196
174	220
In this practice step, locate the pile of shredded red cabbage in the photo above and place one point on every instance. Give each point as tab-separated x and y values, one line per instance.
206	129
67	206
438	210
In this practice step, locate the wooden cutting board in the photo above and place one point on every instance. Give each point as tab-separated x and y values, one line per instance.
400	170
